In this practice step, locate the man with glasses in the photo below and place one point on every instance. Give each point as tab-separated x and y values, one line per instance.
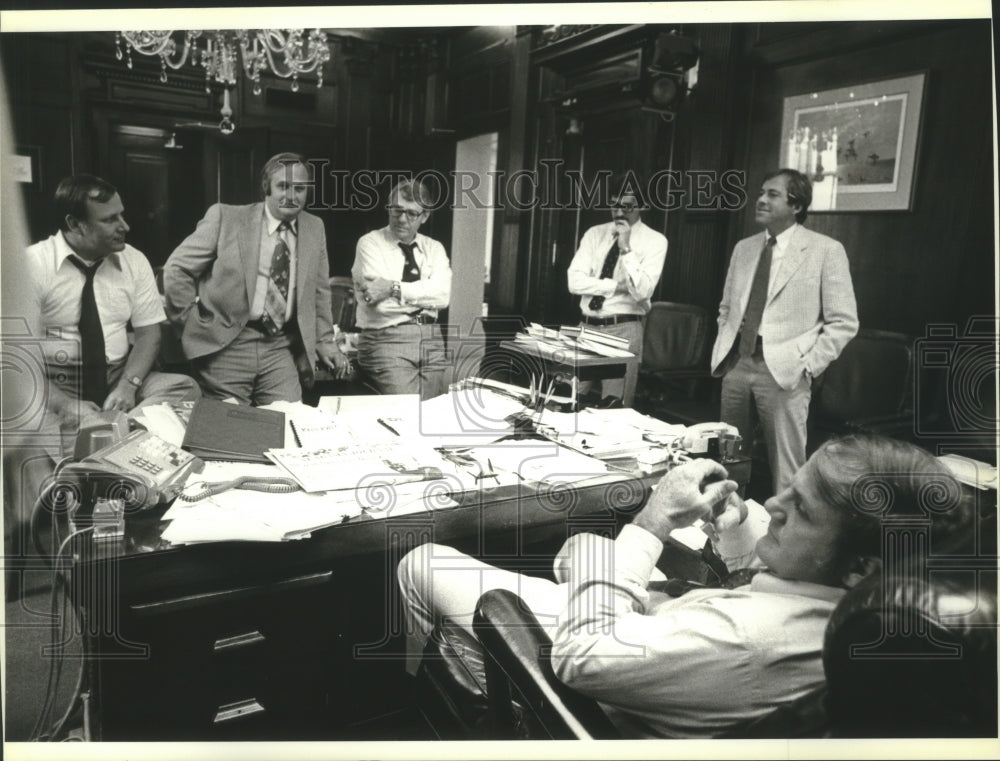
250	291
402	279
615	270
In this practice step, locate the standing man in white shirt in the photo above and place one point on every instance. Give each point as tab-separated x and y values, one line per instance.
615	270
402	279
787	312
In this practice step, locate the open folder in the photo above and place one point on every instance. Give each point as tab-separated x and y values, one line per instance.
221	431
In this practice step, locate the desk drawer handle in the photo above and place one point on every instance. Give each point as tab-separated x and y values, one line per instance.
239	640
231	711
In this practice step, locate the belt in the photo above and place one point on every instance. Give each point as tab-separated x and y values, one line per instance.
258	325
417	318
613	320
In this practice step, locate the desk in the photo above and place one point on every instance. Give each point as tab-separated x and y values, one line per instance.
254	640
573	364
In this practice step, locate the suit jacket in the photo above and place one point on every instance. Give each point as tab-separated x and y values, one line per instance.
810	314
210	277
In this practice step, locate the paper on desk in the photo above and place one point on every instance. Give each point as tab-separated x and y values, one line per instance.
161	420
459	418
370	406
542	461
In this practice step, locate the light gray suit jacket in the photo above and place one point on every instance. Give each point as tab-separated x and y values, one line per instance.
810	314
210	277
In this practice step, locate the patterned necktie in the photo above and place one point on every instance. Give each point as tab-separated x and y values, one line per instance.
608	270
411	272
276	300
93	362
755	304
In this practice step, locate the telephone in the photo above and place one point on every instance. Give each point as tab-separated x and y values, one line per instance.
703	438
130	474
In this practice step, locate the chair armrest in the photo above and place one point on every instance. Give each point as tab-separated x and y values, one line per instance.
518	651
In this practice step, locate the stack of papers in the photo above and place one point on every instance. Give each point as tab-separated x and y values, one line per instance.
607	433
572	339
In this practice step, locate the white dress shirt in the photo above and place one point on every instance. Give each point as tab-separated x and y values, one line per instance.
641	268
379	255
124	289
781	241
268	240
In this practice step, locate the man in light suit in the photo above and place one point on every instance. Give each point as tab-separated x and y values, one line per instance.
787	312
249	291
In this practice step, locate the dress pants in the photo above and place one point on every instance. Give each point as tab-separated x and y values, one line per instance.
255	368
405	359
623	388
750	392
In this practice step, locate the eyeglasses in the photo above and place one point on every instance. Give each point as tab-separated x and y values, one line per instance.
625	206
411	214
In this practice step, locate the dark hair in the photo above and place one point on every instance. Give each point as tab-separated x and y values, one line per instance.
73	192
275	163
872	478
626	182
414	191
798	189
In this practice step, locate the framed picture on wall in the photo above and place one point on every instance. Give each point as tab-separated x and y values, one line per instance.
857	144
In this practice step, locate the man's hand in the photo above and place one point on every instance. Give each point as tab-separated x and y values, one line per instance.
331	356
121	398
685	494
624	233
375	289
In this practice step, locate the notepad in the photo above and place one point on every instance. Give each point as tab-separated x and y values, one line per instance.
220	431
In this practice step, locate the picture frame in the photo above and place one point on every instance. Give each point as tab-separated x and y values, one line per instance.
858	144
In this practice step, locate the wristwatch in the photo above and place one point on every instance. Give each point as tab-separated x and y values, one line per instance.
135	380
395	291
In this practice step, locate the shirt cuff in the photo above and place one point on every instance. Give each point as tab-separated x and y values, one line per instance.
636	553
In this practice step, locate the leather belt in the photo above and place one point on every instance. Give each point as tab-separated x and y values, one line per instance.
258	325
417	318
613	320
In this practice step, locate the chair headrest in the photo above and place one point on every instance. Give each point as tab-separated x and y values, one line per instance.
914	656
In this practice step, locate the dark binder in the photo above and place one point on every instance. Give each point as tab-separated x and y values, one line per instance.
221	431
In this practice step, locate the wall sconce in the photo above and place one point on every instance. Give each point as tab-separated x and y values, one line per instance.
575	128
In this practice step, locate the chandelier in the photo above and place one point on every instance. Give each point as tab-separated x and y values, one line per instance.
285	52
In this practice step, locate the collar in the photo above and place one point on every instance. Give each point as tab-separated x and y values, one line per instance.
782	238
64	250
394	242
768	582
272	223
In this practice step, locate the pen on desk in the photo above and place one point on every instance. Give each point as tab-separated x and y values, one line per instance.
295	433
386	425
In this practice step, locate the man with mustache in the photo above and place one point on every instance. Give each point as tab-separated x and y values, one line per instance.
249	291
787	311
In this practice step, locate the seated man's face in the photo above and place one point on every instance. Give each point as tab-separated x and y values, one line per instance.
802	541
286	192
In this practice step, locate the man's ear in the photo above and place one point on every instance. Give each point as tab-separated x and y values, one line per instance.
861	568
72	223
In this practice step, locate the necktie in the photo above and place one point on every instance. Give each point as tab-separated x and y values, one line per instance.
93	362
276	300
608	270
755	304
678	587
411	272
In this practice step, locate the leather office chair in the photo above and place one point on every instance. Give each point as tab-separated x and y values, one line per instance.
343	303
869	387
933	674
675	356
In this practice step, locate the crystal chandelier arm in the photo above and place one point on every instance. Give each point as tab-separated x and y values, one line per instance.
274	41
161	44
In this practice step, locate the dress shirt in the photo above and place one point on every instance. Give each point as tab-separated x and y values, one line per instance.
691	666
268	240
124	289
781	241
642	268
379	255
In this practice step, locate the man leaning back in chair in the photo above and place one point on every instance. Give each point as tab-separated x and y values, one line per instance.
712	660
